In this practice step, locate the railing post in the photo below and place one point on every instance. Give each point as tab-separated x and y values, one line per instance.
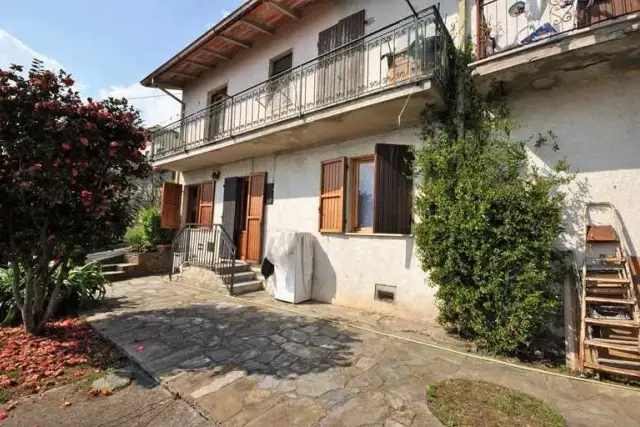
216	248
233	272
187	231
300	97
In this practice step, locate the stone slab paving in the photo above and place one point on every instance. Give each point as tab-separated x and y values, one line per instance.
253	366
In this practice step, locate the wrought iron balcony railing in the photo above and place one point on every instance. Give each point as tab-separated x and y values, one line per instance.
507	24
409	50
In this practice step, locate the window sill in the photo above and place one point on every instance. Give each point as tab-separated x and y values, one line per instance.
368	234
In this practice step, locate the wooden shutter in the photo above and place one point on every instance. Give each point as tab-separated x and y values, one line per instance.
353	27
205	204
353	78
393	189
170	205
331	210
255	210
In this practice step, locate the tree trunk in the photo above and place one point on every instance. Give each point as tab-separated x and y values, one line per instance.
54	301
28	317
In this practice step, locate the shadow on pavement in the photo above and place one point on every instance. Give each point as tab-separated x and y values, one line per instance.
221	337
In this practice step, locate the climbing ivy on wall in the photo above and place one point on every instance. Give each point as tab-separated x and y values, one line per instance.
488	221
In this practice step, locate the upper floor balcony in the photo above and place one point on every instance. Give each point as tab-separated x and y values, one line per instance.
374	83
540	43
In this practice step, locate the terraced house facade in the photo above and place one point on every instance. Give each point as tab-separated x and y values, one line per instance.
298	114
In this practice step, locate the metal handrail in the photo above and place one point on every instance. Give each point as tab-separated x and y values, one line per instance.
209	247
352	70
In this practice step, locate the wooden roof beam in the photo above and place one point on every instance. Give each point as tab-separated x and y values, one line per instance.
290	13
258	27
214	53
187	76
198	64
234	41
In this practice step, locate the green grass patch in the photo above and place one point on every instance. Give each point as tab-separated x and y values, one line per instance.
467	403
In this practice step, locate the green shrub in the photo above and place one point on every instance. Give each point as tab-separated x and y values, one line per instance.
84	286
134	235
149	219
9	312
487	228
146	231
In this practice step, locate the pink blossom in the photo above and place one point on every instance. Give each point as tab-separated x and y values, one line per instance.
66	146
74	172
112	152
37	166
108	223
84	141
68	81
114	144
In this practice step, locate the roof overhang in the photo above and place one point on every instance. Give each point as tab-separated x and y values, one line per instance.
252	21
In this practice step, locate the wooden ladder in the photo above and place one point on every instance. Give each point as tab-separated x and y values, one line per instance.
610	316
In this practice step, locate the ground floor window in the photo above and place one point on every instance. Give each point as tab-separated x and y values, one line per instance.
379	192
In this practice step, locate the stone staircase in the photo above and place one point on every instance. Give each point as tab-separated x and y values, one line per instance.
116	267
247	277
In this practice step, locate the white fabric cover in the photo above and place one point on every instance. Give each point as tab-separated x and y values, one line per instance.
291	254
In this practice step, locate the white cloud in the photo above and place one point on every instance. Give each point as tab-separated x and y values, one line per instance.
156	107
13	51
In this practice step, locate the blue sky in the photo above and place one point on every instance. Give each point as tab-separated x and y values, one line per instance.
109	46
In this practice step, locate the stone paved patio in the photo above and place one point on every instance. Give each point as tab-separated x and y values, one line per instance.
252	366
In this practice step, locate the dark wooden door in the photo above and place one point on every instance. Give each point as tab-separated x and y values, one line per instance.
217	113
230	206
255	211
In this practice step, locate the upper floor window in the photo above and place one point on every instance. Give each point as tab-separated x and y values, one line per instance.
281	64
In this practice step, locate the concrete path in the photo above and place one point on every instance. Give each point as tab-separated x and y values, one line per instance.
143	403
252	366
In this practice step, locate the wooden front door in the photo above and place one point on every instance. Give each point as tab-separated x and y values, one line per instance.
255	209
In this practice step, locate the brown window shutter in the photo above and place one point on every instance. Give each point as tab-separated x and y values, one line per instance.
353	27
393	189
331	210
205	208
170	205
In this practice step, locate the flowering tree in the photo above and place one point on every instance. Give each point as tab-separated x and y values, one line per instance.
67	169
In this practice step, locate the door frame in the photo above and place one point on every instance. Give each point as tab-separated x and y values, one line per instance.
242	235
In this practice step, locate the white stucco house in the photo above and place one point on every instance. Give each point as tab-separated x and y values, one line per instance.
297	114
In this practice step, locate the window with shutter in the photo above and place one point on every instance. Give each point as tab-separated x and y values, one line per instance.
331	209
170	205
340	74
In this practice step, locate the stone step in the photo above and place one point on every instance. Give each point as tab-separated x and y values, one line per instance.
246	287
114	276
239	267
245	276
118	267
